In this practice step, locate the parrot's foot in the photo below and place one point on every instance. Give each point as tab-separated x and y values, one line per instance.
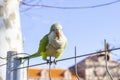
49	61
55	61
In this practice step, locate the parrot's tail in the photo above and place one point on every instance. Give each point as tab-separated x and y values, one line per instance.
31	56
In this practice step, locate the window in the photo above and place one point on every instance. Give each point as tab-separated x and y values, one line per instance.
67	75
44	75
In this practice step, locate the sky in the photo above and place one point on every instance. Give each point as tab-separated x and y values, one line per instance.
85	28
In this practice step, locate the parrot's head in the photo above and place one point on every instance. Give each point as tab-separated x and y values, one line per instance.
57	29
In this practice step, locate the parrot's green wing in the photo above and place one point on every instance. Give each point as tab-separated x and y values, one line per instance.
65	45
43	44
42	47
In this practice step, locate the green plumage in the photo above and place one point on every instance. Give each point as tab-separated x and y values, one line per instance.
51	44
41	49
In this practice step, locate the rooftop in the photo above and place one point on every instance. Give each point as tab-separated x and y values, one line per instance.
55	73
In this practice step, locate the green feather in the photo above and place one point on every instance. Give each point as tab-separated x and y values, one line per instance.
41	49
43	44
45	49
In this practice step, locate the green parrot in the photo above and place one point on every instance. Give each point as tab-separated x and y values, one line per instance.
52	44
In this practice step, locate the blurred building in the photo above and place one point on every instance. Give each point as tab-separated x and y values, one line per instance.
56	74
94	67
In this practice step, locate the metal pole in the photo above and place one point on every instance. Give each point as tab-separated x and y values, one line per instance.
106	61
50	68
76	67
13	63
17	73
9	73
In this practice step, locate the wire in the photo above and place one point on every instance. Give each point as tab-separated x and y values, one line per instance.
76	71
3	58
84	7
37	2
107	69
50	68
21	54
29	66
16	54
87	54
67	58
3	64
28	69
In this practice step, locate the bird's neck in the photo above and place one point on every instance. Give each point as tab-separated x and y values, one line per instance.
55	36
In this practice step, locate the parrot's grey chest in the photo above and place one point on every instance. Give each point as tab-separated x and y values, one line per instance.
57	42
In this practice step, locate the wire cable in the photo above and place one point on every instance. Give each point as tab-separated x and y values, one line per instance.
50	68
30	7
3	64
106	62
28	69
84	7
67	58
76	68
2	58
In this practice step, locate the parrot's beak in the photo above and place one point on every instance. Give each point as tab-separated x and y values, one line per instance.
58	33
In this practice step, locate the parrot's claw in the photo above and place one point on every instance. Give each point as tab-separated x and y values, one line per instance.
48	61
55	61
